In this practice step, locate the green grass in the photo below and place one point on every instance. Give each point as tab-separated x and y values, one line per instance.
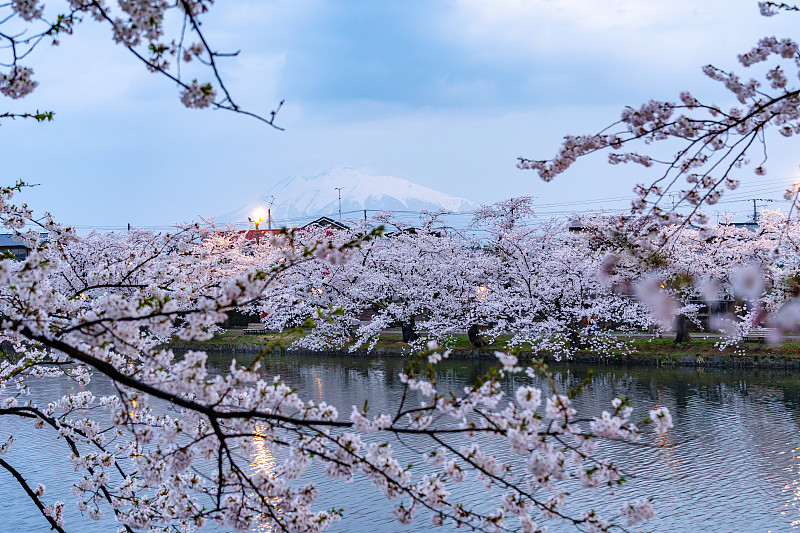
238	338
700	347
389	340
664	348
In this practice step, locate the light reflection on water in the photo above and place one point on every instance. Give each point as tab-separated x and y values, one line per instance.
791	490
731	464
264	460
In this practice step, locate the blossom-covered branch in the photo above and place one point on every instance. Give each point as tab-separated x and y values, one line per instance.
705	146
166	36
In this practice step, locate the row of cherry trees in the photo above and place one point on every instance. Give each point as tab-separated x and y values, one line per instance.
538	283
507	273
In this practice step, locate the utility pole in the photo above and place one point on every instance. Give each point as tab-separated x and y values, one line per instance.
755	213
269	212
673	195
340	201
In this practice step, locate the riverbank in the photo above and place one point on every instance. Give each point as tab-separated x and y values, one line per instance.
643	350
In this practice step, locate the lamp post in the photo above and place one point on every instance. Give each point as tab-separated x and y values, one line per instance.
256	221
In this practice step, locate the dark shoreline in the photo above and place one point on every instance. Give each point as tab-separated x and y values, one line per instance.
706	361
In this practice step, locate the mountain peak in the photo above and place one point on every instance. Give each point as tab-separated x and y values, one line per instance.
298	199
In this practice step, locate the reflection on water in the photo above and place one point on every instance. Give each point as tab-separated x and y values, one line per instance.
264	460
732	463
791	491
719	470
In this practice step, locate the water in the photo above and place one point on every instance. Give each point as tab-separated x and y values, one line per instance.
731	463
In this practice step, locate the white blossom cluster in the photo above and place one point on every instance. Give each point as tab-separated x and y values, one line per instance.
145	21
27	9
18	82
198	96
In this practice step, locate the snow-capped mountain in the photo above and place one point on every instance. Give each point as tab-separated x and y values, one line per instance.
297	199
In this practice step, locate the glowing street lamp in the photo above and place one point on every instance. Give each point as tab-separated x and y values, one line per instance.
481	292
256	219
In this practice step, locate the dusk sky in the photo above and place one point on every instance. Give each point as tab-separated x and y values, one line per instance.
443	93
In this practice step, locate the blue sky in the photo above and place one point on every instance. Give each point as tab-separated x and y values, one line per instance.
443	93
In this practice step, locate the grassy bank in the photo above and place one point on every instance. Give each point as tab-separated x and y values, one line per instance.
664	348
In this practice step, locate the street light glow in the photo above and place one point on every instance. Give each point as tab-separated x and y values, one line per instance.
258	215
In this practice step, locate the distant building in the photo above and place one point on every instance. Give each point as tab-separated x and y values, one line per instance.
575	224
9	246
410	230
326	222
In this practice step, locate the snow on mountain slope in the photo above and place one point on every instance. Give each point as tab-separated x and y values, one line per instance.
298	199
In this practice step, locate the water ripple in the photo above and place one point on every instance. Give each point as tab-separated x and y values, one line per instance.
732	463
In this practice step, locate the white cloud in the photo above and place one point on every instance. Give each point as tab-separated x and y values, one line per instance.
642	32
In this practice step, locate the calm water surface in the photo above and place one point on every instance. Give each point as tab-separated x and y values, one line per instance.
732	462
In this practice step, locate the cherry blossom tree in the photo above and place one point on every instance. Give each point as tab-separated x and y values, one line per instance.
548	292
404	274
742	278
754	271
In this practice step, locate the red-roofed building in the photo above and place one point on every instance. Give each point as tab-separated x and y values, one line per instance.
263	234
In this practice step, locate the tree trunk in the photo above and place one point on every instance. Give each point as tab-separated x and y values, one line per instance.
409	334
475	336
576	340
682	327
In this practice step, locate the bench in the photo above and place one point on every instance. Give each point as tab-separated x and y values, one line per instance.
760	335
255	327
